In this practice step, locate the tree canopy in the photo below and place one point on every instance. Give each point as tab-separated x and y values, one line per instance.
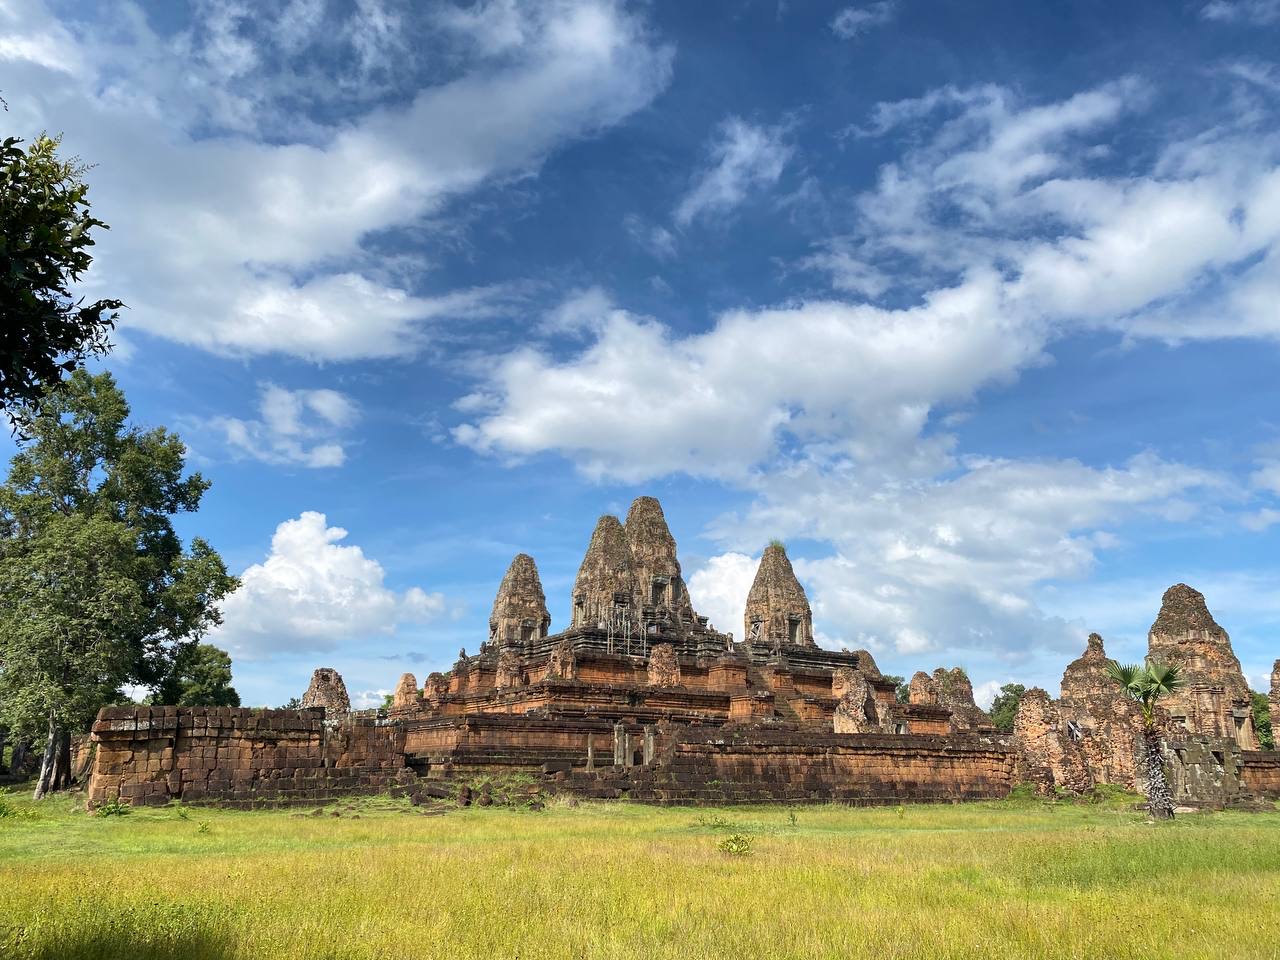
96	588
46	231
200	676
1004	708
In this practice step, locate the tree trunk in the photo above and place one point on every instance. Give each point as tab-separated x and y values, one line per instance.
1159	800
55	765
4	736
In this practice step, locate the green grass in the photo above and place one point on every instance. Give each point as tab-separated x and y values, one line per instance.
1014	879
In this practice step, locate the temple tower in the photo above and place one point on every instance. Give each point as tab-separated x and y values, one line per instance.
605	586
1275	699
327	690
660	588
777	609
1216	700
1085	678
519	614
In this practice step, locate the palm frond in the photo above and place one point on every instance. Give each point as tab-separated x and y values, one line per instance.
1127	675
1164	678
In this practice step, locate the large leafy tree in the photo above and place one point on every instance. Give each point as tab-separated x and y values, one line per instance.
96	588
1004	708
199	677
1147	685
46	232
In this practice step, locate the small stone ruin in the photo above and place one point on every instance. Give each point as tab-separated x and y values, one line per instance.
327	690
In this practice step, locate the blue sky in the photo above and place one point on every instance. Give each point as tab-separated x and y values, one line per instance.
973	304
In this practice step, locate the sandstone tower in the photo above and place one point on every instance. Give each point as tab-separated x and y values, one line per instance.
1275	699
1216	699
659	585
605	584
406	693
1086	677
327	690
519	614
777	608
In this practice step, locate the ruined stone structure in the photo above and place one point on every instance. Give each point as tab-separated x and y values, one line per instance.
1216	700
406	694
777	609
641	696
1094	734
1274	701
327	690
519	616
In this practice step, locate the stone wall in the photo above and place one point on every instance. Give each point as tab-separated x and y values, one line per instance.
237	756
1260	772
760	766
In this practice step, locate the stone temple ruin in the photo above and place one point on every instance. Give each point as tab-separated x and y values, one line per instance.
640	696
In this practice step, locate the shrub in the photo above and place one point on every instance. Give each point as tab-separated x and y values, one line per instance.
735	844
113	808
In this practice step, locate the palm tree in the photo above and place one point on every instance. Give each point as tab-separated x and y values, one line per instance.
1147	685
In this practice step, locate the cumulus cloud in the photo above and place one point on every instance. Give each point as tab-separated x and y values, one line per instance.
1009	244
719	589
253	242
852	22
744	157
295	427
314	593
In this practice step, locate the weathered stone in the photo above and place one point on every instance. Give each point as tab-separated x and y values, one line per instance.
663	667
955	692
435	687
856	710
520	609
1106	723
605	586
778	610
1048	756
1215	701
1275	700
922	690
562	664
327	690
510	670
406	694
1086	676
867	664
659	586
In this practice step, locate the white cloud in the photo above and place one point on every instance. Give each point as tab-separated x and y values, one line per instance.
851	22
1000	243
719	590
253	242
295	427
743	157
313	593
1260	12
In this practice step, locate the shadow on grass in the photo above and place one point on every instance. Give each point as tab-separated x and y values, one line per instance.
118	945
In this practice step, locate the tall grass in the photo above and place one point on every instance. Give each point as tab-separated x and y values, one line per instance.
624	881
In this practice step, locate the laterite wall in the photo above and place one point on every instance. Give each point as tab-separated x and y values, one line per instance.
1260	772
240	757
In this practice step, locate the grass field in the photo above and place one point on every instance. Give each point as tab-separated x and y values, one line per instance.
1005	879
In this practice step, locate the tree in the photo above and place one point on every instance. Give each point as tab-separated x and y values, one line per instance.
1262	720
1147	685
901	689
293	703
45	235
1004	708
200	676
96	588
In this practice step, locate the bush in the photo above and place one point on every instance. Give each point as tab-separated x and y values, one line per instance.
735	844
113	808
